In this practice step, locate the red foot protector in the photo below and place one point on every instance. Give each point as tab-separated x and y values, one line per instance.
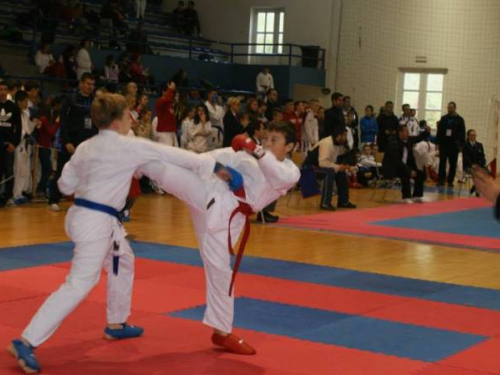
233	344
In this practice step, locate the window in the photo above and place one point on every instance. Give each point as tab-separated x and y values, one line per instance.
424	92
268	27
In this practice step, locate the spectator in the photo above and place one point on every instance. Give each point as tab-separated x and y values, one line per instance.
191	20
450	139
473	152
76	127
134	116
14	86
167	127
264	82
352	131
145	128
111	10
143	104
46	63
138	41
130	89
217	114
399	161
321	122
188	120
277	115
140	9
256	131
347	108
387	125
369	126
311	127
334	117
49	125
232	124
200	131
368	168
33	90
272	103
262	112
325	156
178	18
139	74
111	70
10	137
252	109
295	112
68	59
83	60
181	78
410	121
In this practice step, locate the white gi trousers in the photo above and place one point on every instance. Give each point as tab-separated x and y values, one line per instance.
211	227
22	170
89	257
167	138
140	8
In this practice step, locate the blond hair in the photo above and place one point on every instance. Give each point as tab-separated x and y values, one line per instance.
107	108
232	101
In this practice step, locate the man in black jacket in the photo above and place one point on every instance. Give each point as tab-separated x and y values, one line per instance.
473	152
334	117
272	103
399	161
387	125
450	138
76	127
10	137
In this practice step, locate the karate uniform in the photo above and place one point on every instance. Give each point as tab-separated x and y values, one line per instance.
22	162
211	205
100	171
311	131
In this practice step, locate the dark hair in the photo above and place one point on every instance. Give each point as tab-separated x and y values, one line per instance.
401	128
20	96
286	101
86	76
369	106
269	91
4	83
389	102
277	110
285	128
31	85
336	95
197	117
346	97
14	84
338	130
422	123
253	126
405	105
470	131
454	104
109	58
83	42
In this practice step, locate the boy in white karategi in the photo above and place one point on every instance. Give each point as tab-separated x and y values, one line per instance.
99	176
259	176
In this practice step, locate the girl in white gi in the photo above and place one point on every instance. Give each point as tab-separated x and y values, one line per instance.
99	176
267	175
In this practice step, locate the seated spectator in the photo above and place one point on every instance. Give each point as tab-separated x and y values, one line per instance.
83	60
178	19
68	59
399	161
111	70
231	121
134	116
191	20
46	131
130	89
145	128
139	74
368	168
473	152
325	158
369	126
262	112
46	63
252	109
187	121
277	115
200	131
264	82
143	104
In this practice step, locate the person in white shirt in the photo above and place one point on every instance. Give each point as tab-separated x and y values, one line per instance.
217	114
264	82
311	128
99	175
200	131
83	60
259	176
409	120
111	70
186	124
140	9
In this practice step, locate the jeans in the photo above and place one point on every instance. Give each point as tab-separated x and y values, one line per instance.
330	178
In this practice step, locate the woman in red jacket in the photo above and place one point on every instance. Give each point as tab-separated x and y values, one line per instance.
49	124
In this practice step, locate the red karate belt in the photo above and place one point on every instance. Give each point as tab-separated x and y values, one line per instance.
245	209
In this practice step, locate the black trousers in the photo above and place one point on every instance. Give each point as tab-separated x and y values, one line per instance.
271	207
447	154
418	186
44	155
6	171
330	178
62	158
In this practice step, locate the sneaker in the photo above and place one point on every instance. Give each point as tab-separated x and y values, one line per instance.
25	356
20	201
347	205
408	201
54	207
418	200
11	202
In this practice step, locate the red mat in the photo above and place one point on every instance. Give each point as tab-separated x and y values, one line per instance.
359	222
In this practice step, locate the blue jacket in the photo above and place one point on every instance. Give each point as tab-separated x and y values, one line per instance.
369	129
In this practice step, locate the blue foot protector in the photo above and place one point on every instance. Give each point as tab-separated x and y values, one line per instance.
25	356
127	332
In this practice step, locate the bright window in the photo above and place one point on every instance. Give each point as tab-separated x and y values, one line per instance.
268	27
424	92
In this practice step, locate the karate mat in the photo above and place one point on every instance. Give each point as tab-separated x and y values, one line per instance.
467	223
303	319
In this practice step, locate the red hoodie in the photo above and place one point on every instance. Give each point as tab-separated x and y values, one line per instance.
296	121
47	132
165	112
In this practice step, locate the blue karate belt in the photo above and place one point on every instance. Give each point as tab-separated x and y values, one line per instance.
107	210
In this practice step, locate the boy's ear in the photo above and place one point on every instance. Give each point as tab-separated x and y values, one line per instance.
290	147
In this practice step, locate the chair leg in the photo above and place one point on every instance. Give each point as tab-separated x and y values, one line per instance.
374	190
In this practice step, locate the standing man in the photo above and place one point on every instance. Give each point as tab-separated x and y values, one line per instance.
10	137
311	126
76	127
167	124
347	108
272	103
264	82
387	125
334	117
450	139
217	114
408	119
